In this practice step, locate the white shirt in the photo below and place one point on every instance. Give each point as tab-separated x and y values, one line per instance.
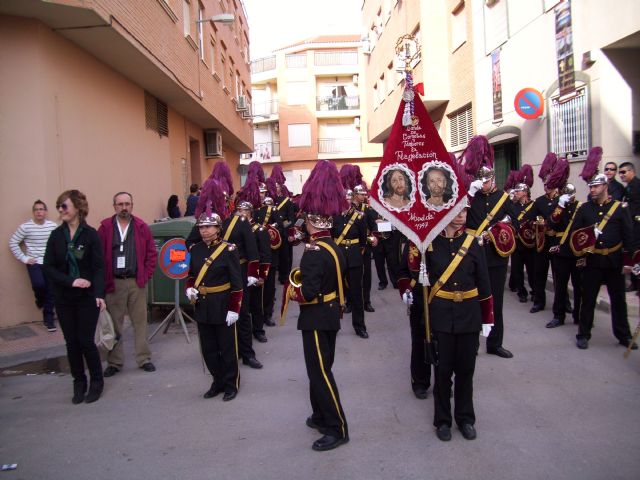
35	239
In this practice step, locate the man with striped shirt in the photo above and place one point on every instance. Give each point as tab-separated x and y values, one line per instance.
34	234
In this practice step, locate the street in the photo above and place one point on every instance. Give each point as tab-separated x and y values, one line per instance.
552	412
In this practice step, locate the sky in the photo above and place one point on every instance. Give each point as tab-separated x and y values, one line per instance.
277	23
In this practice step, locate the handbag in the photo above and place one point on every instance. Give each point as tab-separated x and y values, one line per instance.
105	336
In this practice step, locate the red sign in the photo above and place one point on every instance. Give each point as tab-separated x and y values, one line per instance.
417	187
174	259
529	103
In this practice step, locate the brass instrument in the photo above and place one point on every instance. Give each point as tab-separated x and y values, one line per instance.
295	277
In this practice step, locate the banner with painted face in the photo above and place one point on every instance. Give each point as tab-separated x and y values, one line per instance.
417	187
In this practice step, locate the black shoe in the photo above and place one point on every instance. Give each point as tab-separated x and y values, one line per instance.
536	308
252	362
39	304
556	322
347	308
630	288
513	289
568	308
582	343
522	298
50	327
362	333
328	442
95	390
213	391
311	423
468	431
625	343
269	322
148	367
261	337
369	308
420	391
110	371
228	396
382	286
443	432
79	390
500	352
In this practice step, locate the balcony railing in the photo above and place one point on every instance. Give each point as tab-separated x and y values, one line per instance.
264	151
265	108
263	64
325	59
338	145
296	60
338	103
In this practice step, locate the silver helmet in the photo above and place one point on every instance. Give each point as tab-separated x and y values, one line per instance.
320	221
569	189
244	205
359	190
522	187
485	174
348	194
598	179
210	218
268	201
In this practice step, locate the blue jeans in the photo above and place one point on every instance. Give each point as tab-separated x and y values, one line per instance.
42	292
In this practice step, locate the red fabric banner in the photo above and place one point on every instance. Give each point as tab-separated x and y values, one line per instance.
417	186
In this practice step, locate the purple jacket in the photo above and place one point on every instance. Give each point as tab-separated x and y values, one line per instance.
146	254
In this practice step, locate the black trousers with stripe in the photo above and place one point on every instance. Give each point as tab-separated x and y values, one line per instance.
319	350
219	347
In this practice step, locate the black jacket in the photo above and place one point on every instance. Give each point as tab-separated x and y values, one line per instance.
356	236
90	265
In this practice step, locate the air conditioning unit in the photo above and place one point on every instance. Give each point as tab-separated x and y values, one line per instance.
356	122
276	127
355	79
212	143
246	113
241	103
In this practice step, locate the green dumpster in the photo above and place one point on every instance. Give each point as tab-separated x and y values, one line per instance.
161	289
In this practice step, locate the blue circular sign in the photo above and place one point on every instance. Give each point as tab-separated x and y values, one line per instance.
529	103
174	259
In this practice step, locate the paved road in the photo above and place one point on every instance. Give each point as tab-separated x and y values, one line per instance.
552	412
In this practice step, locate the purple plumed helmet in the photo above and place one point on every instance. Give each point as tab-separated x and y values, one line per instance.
255	170
347	176
272	189
558	177
278	175
512	179
222	173
526	175
546	168
322	194
478	156
591	164
212	198
250	192
359	179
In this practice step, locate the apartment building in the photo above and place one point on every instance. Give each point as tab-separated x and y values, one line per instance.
582	56
443	29
112	95
307	106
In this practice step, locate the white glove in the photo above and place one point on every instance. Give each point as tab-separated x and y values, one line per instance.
232	317
597	232
192	294
563	200
486	329
474	187
407	297
251	281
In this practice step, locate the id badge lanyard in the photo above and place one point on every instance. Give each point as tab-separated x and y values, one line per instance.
123	237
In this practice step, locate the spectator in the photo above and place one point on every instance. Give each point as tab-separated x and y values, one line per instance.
73	264
34	235
192	200
616	190
130	257
172	207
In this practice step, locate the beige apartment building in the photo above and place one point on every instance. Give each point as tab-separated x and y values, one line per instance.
443	29
532	41
308	105
111	95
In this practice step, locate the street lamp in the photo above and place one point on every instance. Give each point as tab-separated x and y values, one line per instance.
221	18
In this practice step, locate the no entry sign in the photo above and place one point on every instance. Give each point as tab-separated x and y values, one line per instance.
529	103
174	259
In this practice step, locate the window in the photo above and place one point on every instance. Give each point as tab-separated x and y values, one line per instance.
186	17
383	93
496	25
461	126
200	26
569	123
231	82
297	93
212	56
299	135
391	82
156	115
458	26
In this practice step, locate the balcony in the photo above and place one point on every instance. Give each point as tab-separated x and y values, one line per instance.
297	60
339	145
332	59
343	102
263	64
263	152
265	109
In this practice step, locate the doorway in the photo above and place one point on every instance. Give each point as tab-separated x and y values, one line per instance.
506	157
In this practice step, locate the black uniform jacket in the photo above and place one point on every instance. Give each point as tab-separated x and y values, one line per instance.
241	236
212	308
447	315
618	229
356	236
519	210
559	221
543	206
263	244
286	212
319	278
88	253
481	206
